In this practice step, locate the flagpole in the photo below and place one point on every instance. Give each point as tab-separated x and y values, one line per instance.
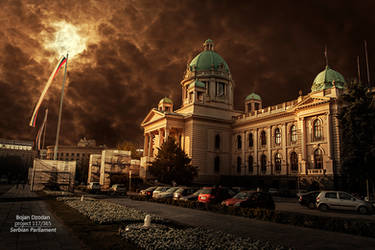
44	132
60	111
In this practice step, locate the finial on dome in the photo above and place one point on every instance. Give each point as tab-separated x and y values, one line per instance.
326	55
208	45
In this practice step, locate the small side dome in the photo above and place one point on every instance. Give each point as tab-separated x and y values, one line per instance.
198	84
166	100
253	96
326	79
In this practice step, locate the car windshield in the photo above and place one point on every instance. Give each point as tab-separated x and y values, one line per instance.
180	190
206	191
171	190
150	189
242	195
159	188
198	192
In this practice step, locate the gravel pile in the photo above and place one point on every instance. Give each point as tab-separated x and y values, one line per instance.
164	237
162	234
103	212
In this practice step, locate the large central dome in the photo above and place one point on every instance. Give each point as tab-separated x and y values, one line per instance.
208	60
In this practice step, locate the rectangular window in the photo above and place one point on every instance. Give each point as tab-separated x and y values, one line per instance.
191	97
220	89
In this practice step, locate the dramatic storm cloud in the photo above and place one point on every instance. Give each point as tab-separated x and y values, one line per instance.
126	55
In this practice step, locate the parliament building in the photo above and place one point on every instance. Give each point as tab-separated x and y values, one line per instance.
294	143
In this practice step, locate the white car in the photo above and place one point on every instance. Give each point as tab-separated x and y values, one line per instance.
341	200
159	190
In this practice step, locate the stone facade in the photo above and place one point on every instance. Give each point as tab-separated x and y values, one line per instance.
293	143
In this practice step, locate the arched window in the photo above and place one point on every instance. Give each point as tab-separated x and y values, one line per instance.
217	164
293	134
238	164
318	159
277	162
317	129
217	141
239	142
277	136
263	163
250	163
251	142
263	138
294	161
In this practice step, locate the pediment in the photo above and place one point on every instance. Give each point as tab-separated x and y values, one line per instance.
309	101
152	116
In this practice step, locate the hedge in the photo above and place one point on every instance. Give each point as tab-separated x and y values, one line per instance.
335	224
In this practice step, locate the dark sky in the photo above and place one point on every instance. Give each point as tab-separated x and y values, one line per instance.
135	53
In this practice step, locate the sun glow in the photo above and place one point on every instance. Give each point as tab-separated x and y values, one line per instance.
66	39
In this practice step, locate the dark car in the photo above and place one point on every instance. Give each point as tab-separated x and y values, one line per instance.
184	191
215	194
192	197
308	199
258	200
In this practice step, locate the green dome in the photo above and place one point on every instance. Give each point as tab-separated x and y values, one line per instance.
207	59
198	84
253	96
166	100
325	78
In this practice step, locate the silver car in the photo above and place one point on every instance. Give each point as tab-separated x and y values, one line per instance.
159	190
341	200
168	193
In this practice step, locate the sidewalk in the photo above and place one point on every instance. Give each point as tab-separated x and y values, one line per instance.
19	201
287	235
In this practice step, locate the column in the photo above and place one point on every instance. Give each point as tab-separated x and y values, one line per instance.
159	139
243	151
284	139
302	127
145	145
255	145
166	133
149	151
269	141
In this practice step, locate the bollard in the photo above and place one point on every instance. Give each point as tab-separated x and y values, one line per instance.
147	221
82	198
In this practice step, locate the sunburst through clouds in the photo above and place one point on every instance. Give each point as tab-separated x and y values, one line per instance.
66	40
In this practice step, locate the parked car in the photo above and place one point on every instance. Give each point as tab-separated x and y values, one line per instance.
193	196
215	194
258	200
159	190
93	187
148	191
167	194
238	198
308	199
343	201
119	189
184	191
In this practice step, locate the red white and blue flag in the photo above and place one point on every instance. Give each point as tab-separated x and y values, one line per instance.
52	76
43	127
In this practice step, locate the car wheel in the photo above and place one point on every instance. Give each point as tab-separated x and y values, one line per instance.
323	207
311	205
362	210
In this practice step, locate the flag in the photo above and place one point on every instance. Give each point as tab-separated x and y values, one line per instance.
52	76
39	135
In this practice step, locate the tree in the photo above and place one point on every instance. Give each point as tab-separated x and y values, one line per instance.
357	123
173	165
130	146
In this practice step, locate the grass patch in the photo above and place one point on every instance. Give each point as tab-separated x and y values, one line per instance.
93	235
